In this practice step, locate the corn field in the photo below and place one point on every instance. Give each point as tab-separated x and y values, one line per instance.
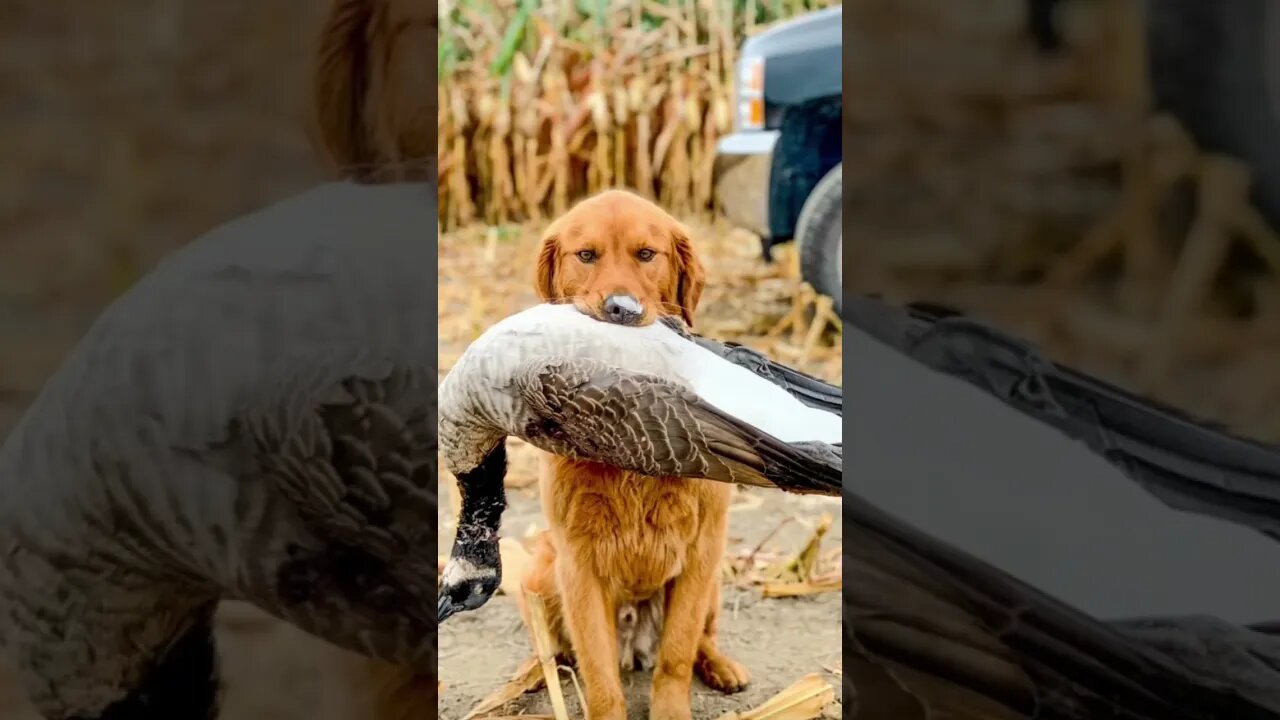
543	103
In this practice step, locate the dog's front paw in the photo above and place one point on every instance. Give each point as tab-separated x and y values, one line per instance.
721	672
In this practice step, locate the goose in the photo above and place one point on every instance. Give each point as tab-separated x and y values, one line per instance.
657	400
253	420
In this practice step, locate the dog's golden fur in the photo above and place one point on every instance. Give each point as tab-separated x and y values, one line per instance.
628	554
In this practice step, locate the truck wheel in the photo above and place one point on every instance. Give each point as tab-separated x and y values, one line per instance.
820	236
1216	67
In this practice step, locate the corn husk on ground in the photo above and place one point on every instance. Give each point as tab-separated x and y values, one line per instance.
541	103
804	699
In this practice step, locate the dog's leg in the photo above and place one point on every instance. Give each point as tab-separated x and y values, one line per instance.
717	670
682	630
591	616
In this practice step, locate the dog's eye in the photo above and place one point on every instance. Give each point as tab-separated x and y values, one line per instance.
645	255
587	256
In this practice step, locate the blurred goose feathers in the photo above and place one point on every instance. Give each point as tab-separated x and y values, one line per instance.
1187	463
253	420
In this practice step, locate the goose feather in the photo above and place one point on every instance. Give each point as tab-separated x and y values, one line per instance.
522	371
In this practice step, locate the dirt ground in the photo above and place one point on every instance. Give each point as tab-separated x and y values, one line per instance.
486	275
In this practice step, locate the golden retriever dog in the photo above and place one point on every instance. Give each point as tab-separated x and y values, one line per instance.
630	568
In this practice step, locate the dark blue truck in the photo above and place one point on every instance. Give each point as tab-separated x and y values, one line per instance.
778	172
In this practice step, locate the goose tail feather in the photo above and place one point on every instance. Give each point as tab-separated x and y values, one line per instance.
806	388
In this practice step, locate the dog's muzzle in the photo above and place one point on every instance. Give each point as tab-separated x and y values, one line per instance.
622	310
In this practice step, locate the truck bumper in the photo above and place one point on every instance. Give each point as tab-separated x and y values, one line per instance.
741	178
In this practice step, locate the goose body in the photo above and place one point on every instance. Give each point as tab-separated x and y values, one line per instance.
655	400
493	381
253	420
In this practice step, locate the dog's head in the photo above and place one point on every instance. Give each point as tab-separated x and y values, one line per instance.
620	259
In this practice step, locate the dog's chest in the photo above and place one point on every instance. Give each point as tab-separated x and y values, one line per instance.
634	533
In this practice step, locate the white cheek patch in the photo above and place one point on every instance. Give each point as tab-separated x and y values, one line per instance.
462	572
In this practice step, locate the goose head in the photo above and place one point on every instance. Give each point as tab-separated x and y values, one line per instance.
474	570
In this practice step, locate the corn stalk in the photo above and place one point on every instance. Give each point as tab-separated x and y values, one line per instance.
542	103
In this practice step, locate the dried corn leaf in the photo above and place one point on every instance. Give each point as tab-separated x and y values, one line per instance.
527	678
544	647
801	589
802	700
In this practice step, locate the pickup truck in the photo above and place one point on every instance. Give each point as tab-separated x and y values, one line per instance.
1213	64
778	173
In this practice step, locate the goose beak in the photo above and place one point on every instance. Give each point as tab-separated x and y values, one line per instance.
446	609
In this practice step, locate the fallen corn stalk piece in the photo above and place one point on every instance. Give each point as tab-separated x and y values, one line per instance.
801	589
546	654
527	678
798	569
802	700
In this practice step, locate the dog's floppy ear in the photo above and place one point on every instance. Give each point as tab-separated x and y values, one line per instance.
340	83
544	273
373	93
692	276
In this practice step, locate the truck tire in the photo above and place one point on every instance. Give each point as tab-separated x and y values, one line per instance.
1216	67
820	236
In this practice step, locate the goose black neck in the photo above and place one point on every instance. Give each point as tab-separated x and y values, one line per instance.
181	684
484	498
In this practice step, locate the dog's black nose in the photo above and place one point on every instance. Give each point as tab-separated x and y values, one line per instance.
623	310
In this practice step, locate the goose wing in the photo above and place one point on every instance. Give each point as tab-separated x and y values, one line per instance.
590	410
931	632
1187	463
806	388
